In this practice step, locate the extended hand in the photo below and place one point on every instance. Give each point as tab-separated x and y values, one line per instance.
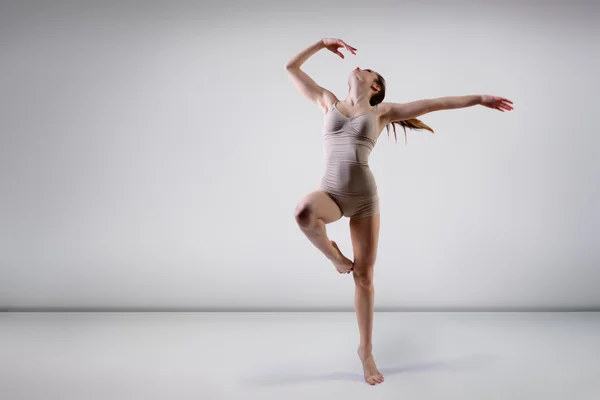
334	44
497	102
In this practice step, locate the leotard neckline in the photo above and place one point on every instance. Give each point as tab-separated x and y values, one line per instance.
361	115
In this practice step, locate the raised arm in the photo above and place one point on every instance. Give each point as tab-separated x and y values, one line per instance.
391	112
304	83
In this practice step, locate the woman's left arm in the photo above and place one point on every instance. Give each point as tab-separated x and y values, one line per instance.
402	111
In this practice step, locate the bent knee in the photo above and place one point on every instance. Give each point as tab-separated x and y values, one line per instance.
303	214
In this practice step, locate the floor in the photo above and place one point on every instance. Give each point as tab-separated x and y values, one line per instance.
210	356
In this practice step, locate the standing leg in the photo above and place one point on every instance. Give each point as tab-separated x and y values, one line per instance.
312	213
365	237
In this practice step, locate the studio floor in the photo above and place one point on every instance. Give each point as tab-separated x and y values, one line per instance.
277	355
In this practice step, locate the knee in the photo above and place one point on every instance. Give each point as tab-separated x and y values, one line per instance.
303	215
363	276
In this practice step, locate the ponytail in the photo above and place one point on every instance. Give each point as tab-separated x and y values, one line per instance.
413	123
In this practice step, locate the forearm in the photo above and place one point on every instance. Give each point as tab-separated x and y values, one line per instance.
300	58
451	102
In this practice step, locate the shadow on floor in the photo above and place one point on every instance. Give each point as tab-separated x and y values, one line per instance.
473	362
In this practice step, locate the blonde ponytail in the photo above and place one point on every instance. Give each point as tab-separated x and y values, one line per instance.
413	123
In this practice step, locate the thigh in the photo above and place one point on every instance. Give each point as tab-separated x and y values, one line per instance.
322	205
365	238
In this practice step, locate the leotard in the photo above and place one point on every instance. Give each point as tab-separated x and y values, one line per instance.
347	144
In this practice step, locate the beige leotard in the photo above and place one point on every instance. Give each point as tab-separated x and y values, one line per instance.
347	144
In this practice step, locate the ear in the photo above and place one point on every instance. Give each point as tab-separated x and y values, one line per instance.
375	87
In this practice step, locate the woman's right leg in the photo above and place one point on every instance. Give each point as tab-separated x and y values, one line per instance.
312	213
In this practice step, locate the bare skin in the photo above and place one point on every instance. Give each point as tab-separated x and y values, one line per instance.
317	209
365	237
312	213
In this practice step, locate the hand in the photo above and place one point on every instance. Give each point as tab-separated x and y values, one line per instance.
497	102
334	44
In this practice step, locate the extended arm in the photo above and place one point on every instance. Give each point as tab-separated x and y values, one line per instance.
403	111
391	112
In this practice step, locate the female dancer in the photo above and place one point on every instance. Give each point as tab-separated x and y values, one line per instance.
348	188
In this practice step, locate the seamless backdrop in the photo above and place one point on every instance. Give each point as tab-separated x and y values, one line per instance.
152	154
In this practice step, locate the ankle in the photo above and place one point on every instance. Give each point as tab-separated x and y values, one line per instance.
365	349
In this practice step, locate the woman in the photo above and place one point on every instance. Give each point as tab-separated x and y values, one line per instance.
348	188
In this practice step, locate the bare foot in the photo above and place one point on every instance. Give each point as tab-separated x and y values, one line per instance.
372	374
341	262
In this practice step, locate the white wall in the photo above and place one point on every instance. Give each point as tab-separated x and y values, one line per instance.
152	154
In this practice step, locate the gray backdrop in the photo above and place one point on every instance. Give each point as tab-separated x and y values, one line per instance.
152	154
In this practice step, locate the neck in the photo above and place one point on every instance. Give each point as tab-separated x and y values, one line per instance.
358	97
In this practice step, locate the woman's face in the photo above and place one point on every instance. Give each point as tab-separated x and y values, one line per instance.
365	77
366	74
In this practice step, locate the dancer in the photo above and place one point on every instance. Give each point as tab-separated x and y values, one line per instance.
350	131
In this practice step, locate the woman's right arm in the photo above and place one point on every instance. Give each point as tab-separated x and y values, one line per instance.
305	84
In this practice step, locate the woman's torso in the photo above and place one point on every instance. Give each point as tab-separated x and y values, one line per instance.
347	145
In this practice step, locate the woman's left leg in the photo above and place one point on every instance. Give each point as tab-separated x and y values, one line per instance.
365	237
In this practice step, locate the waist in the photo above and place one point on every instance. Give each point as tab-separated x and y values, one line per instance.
349	178
349	162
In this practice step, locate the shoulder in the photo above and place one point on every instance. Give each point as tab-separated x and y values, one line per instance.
327	100
383	108
383	112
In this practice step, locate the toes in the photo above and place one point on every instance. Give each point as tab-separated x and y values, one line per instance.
374	379
378	378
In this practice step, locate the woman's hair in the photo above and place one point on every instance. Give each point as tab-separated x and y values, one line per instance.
412	123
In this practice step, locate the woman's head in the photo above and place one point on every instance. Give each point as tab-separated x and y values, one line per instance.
376	85
370	80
